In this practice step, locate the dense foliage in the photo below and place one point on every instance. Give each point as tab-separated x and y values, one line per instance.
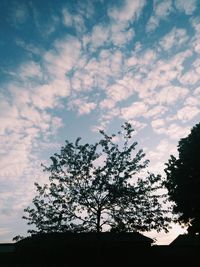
99	187
183	180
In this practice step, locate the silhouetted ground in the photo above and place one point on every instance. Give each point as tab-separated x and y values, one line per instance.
104	250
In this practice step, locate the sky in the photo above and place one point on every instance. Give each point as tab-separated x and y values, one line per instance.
69	68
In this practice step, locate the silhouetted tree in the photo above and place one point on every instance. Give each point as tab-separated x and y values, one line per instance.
99	187
183	180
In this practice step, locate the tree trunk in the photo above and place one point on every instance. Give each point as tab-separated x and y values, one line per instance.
98	220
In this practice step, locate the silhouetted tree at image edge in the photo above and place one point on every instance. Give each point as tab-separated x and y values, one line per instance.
99	187
183	181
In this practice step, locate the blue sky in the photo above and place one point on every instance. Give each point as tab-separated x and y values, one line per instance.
69	68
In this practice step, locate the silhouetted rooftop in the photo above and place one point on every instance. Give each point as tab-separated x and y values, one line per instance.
7	247
186	240
87	237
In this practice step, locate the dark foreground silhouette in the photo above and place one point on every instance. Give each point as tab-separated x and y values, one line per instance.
103	249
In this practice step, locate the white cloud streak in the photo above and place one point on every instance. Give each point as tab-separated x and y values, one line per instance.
162	10
129	12
188	7
176	37
137	109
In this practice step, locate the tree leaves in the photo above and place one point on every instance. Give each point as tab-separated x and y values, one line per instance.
183	180
84	195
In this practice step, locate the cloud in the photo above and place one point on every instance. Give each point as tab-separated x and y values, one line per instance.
161	11
49	95
4	231
139	78
158	123
67	18
96	72
19	14
195	23
162	150
63	57
82	82
26	120
135	110
177	132
137	125
105	119
87	8
35	117
175	38
9	116
79	24
159	126
21	126
107	103
191	77
118	92
152	24
17	194
196	65
177	61
116	63
73	20
128	12
120	36
147	79
100	69
111	34
106	71
188	7
30	70
156	111
197	92
174	131
13	165
195	42
82	106
170	95
160	154
32	49
99	36
187	113
192	101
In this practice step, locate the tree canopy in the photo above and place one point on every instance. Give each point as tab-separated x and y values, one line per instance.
99	187
183	180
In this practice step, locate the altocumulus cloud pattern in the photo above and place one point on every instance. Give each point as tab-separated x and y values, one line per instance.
69	68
